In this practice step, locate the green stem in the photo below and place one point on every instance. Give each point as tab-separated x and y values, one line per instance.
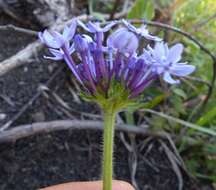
109	123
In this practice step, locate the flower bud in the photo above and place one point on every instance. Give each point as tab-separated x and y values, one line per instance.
123	40
81	43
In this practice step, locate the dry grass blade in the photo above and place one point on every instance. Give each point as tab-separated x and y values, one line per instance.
204	130
174	164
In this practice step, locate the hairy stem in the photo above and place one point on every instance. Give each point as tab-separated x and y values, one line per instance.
109	123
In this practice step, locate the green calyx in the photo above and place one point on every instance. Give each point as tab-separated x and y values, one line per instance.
115	98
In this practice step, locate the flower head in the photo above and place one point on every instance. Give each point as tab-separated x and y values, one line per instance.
114	71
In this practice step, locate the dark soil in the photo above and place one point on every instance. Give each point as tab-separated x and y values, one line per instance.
64	156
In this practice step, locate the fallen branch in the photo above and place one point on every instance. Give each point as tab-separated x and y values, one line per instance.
23	131
18	29
20	58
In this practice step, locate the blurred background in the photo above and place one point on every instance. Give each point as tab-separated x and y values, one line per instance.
178	150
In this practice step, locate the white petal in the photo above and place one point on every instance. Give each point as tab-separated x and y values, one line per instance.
167	77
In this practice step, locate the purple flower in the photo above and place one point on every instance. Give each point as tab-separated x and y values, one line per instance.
115	70
142	31
55	39
97	30
123	40
95	27
58	54
81	43
59	46
165	61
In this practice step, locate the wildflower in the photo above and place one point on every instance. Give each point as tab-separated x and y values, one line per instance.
142	31
55	39
95	27
60	47
97	30
165	61
115	70
114	74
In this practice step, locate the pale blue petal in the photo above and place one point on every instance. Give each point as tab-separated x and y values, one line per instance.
69	32
181	69
83	25
175	53
94	27
71	49
129	26
87	38
159	50
49	40
123	40
80	43
53	58
58	38
40	35
167	77
66	31
151	37
56	53
109	26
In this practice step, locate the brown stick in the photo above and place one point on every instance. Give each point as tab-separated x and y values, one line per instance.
45	127
18	29
20	58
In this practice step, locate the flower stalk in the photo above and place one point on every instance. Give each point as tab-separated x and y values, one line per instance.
108	138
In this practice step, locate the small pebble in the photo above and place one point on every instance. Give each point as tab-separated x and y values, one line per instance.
2	116
38	117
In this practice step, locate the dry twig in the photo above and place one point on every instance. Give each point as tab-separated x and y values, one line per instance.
29	103
174	164
18	29
23	131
